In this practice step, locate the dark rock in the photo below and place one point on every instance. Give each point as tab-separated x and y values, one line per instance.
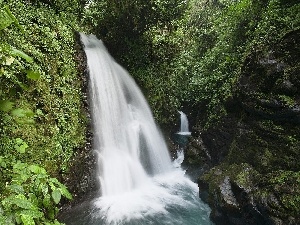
251	149
81	178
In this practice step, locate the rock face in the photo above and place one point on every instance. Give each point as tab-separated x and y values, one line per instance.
254	151
81	178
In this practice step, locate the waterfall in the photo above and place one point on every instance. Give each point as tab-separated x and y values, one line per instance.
139	184
126	138
184	124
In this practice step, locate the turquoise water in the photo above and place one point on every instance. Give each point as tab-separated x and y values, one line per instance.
167	199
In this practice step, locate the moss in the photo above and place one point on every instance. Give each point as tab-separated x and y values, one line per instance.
275	193
58	125
242	174
285	185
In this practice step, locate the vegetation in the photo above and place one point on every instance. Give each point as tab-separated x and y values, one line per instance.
41	118
184	54
196	56
189	53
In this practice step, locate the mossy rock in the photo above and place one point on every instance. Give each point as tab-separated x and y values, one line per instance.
238	194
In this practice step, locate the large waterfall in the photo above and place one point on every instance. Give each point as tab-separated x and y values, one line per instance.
127	141
139	184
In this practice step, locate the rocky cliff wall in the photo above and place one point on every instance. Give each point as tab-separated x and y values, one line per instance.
253	152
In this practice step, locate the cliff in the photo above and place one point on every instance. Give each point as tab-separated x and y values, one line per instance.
253	152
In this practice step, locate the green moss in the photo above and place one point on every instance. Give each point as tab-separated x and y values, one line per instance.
285	185
241	174
41	117
55	98
277	191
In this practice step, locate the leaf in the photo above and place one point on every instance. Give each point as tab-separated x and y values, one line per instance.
20	145
19	141
27	219
13	18
18	189
5	19
47	201
6	105
1	161
23	55
64	191
34	213
44	188
19	112
37	169
21	201
54	181
32	198
33	75
56	195
22	148
34	168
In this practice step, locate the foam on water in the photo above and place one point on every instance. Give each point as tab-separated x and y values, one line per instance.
139	184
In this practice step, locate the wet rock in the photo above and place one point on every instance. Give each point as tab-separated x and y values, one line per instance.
233	198
81	178
254	149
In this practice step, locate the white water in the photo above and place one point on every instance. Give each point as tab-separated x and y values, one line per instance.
184	124
139	183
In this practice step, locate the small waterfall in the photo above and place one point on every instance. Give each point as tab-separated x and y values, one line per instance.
184	124
139	183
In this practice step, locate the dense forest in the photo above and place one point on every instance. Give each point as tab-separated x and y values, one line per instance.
232	66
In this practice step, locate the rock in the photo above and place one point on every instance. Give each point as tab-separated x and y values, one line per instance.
81	178
232	196
252	155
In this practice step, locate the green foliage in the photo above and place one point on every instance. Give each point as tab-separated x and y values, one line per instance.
41	122
189	53
31	196
7	18
72	7
39	86
282	185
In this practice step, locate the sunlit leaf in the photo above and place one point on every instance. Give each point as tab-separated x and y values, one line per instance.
64	191
21	201
5	19
18	112
23	55
19	141
27	219
37	169
21	148
20	145
33	75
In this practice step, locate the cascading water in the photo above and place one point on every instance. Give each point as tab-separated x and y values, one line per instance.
138	181
127	140
184	124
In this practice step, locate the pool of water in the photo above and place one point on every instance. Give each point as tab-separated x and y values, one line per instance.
169	198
